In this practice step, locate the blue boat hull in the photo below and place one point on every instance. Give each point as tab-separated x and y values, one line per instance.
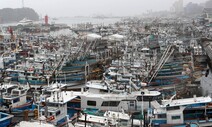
5	119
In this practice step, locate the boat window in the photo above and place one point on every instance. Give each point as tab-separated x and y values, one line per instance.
159	97
47	92
132	103
57	113
15	92
91	103
172	108
6	101
52	104
3	90
62	105
162	116
10	89
22	92
103	91
16	100
111	103
50	113
175	117
43	113
124	122
145	98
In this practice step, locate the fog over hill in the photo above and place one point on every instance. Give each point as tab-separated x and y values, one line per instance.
8	15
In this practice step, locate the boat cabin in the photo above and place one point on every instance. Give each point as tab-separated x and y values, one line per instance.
56	107
16	98
181	111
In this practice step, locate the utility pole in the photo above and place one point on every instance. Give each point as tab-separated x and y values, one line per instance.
22	3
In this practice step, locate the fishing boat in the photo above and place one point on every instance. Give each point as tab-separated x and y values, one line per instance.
129	102
16	101
102	96
9	58
176	112
28	73
96	117
98	96
7	88
55	110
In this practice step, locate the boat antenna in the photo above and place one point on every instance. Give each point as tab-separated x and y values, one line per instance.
170	100
28	83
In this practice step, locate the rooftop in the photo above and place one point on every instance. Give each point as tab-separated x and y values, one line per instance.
188	101
61	97
35	124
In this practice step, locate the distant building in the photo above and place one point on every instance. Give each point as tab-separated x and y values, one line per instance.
177	7
207	14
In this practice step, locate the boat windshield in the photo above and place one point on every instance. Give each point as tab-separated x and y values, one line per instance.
149	98
52	104
7	101
15	93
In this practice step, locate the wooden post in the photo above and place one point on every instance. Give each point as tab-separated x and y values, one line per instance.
36	113
26	113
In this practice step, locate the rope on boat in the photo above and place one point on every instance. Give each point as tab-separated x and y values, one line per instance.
162	61
50	118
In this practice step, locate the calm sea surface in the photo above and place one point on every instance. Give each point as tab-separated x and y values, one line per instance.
78	20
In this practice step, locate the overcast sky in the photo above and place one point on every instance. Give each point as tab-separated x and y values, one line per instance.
61	8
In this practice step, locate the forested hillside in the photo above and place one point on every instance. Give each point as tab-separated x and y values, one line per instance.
8	15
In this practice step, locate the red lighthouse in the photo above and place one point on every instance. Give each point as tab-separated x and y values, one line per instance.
46	20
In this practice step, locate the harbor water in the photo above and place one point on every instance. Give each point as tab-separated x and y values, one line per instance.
78	20
75	20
